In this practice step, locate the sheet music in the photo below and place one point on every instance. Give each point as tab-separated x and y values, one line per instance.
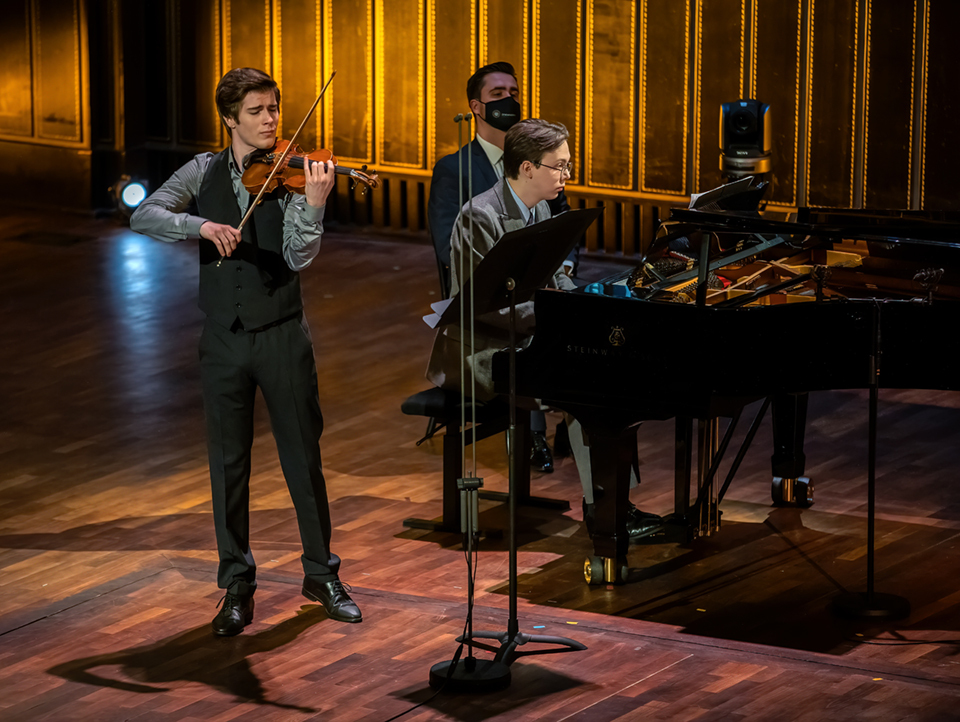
709	200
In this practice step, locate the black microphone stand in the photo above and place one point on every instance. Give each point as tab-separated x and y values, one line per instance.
871	604
520	262
470	673
512	638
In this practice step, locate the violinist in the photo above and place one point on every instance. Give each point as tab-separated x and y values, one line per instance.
254	336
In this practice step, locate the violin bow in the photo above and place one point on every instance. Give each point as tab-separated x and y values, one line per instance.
283	157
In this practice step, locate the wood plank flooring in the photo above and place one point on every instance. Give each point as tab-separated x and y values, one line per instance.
107	561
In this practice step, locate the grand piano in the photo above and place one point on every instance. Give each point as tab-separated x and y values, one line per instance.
727	308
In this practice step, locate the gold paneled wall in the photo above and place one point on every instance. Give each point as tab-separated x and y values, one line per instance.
43	93
862	91
609	148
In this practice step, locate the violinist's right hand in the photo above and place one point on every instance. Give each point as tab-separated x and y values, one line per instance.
224	237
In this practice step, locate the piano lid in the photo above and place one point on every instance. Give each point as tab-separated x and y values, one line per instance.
940	228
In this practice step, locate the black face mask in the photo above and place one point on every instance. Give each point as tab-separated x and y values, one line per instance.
502	114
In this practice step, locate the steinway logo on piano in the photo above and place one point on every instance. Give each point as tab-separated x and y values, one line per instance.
617	341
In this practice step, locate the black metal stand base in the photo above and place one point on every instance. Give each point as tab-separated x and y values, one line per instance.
864	605
470	675
507	653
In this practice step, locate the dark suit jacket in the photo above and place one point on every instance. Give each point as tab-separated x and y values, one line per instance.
444	203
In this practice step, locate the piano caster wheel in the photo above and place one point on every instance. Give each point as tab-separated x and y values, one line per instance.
798	492
604	570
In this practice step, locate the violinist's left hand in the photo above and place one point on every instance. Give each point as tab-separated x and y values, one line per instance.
320	178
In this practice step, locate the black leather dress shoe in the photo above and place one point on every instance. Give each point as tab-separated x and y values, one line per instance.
640	524
334	599
236	613
540	457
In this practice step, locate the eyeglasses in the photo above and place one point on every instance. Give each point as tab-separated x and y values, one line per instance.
566	168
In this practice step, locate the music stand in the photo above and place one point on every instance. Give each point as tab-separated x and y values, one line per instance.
519	264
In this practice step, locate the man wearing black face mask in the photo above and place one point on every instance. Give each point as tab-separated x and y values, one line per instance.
493	95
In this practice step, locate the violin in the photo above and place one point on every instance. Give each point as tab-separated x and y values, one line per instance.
260	164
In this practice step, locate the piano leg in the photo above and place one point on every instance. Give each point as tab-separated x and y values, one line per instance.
790	486
682	469
708	512
611	457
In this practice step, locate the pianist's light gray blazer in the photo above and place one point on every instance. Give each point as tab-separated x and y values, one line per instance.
495	212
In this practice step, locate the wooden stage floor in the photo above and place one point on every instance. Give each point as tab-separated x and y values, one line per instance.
107	561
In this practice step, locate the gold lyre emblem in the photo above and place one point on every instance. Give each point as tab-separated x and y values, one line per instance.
616	336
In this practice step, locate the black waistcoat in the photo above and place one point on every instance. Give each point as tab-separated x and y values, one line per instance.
254	284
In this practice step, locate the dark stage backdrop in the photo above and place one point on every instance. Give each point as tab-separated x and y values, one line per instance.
862	92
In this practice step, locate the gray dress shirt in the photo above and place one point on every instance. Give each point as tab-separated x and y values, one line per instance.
161	216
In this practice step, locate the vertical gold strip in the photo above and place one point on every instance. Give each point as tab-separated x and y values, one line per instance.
116	37
743	47
922	105
642	90
274	46
866	95
589	93
77	89
378	73
694	158
918	103
218	28
632	182
226	50
84	130
752	90
913	100
173	67
686	96
578	132
853	120
322	63
804	199
38	69
534	83
370	80
431	40
484	41
796	100
327	69
528	72
421	82
226	57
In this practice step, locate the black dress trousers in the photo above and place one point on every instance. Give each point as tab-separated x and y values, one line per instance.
279	360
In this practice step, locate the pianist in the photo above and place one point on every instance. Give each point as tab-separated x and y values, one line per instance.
536	164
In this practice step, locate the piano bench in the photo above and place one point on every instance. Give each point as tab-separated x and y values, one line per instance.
444	408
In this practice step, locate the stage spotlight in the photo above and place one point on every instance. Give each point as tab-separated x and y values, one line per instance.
746	139
128	194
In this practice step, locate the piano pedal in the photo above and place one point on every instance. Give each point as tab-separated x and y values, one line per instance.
797	492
